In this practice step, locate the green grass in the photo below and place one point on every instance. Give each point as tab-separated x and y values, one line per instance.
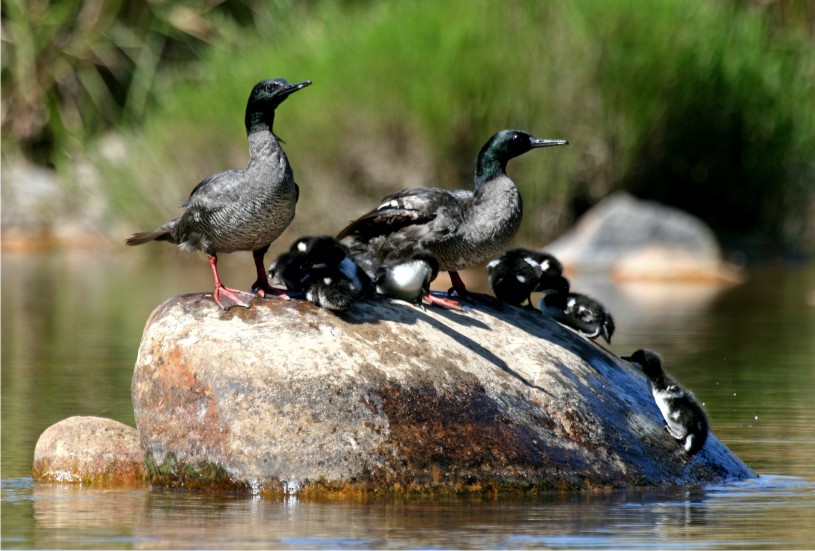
700	104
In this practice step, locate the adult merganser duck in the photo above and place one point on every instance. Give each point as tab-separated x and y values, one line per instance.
459	227
241	209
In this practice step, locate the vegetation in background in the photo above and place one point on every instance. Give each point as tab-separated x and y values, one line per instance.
705	105
73	69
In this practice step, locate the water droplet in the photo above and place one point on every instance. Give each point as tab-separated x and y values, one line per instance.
291	487
255	486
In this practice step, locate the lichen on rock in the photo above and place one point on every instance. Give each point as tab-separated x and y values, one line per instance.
89	450
289	398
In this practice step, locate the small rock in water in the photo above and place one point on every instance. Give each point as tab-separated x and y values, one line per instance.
89	450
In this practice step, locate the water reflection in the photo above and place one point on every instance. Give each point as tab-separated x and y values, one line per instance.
72	324
765	512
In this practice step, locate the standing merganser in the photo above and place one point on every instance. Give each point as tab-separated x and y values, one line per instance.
459	227
579	312
517	273
241	209
321	268
684	417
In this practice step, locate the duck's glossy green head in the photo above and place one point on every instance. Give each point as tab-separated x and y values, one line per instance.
506	145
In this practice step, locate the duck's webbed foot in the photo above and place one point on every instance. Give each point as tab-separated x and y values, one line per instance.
463	294
265	290
227	298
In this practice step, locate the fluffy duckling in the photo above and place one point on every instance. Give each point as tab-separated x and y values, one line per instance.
407	279
320	267
684	417
579	312
517	273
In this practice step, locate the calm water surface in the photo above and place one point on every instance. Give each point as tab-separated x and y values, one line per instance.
71	325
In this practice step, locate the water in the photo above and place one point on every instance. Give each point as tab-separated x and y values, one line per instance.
70	332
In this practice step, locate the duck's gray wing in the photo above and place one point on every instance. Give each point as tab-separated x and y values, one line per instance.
216	191
417	210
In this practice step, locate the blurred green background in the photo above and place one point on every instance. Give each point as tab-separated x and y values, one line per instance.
708	105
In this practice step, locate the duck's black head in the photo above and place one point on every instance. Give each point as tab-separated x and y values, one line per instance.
319	250
647	360
506	145
266	96
607	328
556	284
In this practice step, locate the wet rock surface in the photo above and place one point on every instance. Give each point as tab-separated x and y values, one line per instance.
289	398
89	450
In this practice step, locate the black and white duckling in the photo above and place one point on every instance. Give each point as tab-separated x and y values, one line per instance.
517	273
579	312
320	267
460	227
409	278
684	417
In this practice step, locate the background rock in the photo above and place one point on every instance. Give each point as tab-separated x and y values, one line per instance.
89	450
642	240
288	397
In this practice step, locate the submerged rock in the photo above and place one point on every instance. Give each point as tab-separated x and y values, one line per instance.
89	450
636	239
286	397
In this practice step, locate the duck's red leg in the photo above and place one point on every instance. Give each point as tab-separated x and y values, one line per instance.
261	285
223	295
464	294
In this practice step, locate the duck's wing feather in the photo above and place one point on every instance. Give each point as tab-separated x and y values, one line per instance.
217	190
415	207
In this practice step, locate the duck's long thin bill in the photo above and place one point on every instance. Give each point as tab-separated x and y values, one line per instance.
292	88
541	142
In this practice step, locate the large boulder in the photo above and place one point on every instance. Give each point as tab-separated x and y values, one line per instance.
634	239
286	397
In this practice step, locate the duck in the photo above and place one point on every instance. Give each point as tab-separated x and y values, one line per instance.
519	272
580	312
321	269
685	420
460	227
408	278
241	209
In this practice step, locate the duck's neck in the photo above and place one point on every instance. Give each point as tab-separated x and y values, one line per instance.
265	152
489	166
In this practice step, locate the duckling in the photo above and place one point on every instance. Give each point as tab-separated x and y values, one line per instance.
685	419
517	273
320	267
407	279
579	312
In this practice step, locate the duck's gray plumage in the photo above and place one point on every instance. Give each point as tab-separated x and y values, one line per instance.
241	209
459	227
